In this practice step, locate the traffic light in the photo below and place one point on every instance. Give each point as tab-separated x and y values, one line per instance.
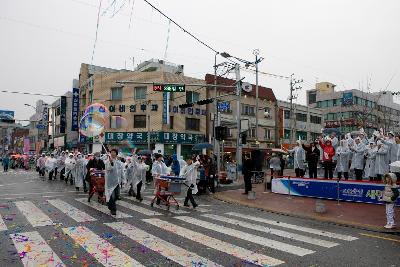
205	101
186	105
244	138
221	132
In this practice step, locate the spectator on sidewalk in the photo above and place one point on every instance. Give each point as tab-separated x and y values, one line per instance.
246	171
327	158
299	156
343	157
381	165
312	157
390	195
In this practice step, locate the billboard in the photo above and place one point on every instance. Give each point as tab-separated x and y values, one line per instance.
6	114
75	109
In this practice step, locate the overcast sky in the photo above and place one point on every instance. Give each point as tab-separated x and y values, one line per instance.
350	43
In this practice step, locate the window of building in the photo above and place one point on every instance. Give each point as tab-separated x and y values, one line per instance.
251	133
192	97
248	110
301	135
91	96
312	97
139	121
315	136
192	124
140	93
267	134
286	114
116	93
286	134
315	119
171	122
301	117
117	122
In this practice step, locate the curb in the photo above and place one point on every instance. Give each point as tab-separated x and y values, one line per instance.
317	218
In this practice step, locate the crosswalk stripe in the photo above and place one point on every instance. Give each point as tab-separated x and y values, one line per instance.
177	198
248	237
239	252
294	227
198	209
71	211
138	209
33	214
172	208
168	250
102	250
264	229
3	226
102	208
34	251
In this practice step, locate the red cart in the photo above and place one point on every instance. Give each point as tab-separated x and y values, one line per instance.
165	188
97	179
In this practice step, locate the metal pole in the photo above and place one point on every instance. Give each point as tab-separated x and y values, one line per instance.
148	125
256	97
291	109
238	117
216	118
53	124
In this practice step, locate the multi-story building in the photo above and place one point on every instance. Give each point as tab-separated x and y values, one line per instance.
307	123
227	115
159	65
38	131
350	110
61	134
172	130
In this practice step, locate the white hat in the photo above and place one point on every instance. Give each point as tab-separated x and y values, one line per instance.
70	154
391	133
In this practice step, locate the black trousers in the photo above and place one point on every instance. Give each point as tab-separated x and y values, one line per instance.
345	174
378	177
62	173
5	167
189	196
358	173
112	202
299	172
312	170
55	173
51	175
328	169
247	183
138	189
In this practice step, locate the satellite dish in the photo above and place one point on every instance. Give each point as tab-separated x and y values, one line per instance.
247	87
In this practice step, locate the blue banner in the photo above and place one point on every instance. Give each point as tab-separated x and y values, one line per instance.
348	190
347	99
165	107
63	114
75	110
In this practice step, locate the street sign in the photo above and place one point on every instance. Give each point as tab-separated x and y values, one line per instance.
40	126
169	88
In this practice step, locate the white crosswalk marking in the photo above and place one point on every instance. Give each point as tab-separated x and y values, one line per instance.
264	229
102	250
172	208
34	251
3	226
294	227
33	214
102	208
136	208
177	198
168	250
239	252
71	211
248	237
185	208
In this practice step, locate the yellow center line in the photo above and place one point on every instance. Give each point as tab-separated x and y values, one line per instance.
381	237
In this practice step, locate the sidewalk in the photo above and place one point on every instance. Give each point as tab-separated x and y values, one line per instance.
360	215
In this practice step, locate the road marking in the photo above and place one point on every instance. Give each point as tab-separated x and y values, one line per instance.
102	250
53	196
38	193
266	242
33	214
71	211
177	198
264	229
239	252
168	250
294	227
3	226
26	182
382	237
102	208
172	208
142	210
34	251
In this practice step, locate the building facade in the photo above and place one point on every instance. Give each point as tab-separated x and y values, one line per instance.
172	130
38	131
350	110
307	123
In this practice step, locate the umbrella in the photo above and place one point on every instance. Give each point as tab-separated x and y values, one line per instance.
201	146
278	150
144	152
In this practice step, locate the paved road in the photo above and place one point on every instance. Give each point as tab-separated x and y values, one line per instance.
48	223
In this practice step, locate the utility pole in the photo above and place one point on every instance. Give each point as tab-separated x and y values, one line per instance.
293	88
256	52
148	123
238	117
216	117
